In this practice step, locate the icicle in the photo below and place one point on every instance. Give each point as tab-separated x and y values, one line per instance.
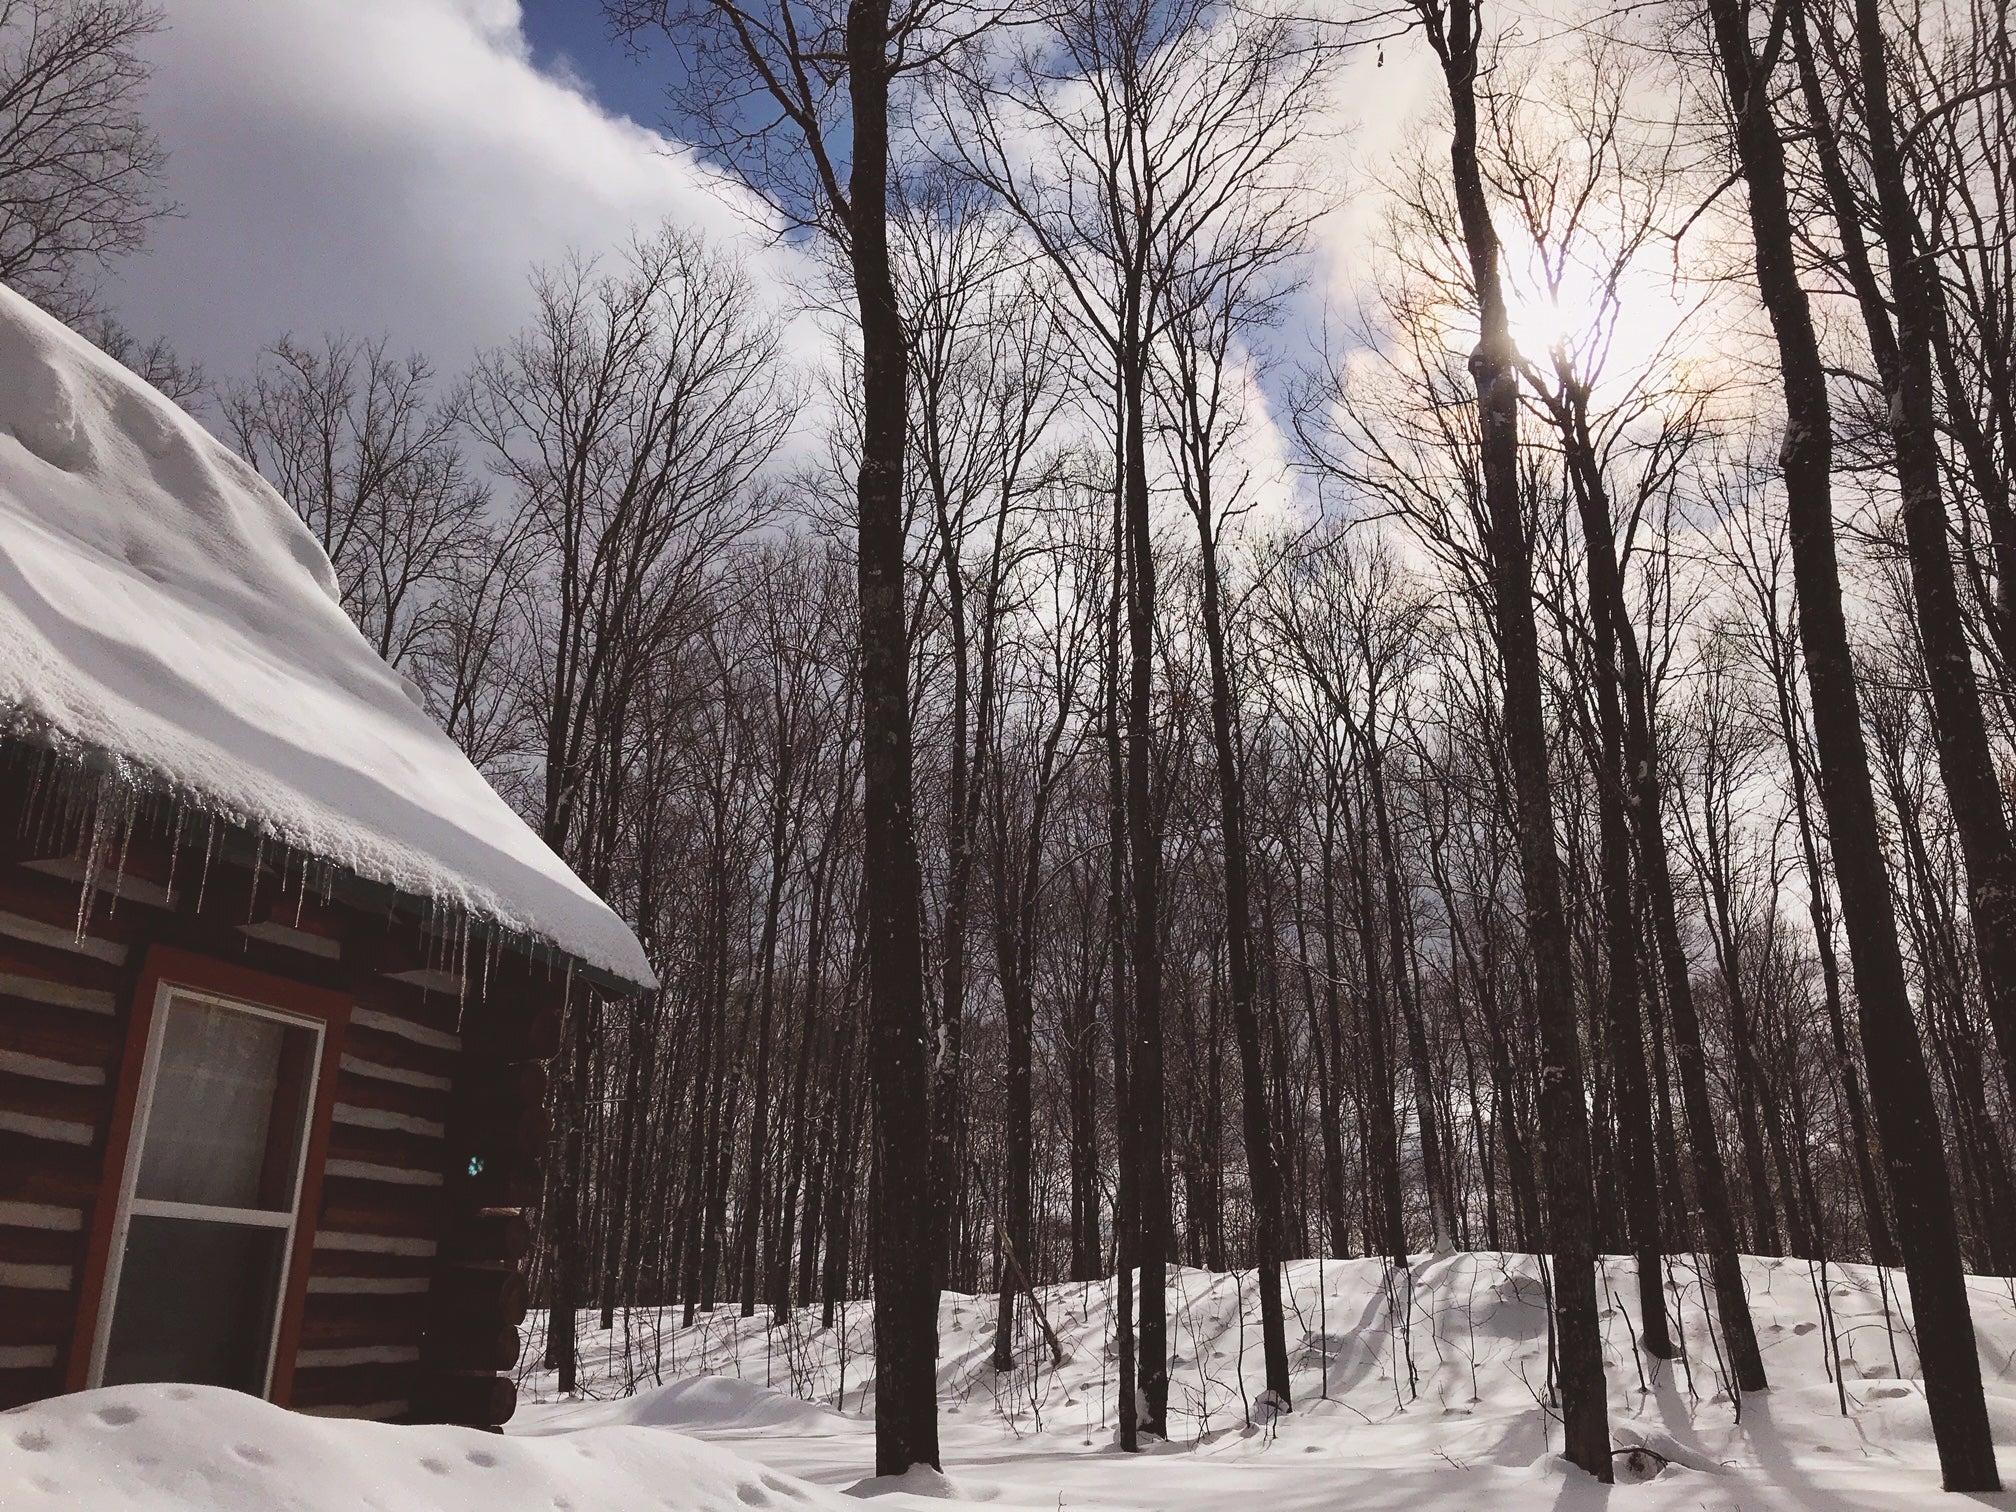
175	847
93	859
125	844
301	897
37	788
209	850
462	972
258	863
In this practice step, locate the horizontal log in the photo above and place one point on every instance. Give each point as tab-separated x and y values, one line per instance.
142	853
40	1246
60	1101
20	1387
32	1315
374	1207
474	1346
49	964
393	1147
52	903
63	1034
297	904
486	1235
398	1052
482	1293
337	1320
428	1103
477	1399
508	1129
47	1171
354	1385
371	1265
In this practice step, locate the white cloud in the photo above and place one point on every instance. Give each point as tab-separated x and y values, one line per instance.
389	166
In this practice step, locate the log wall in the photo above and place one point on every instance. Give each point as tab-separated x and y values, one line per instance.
414	1287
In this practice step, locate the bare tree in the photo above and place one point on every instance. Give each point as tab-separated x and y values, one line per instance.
1151	122
358	442
633	419
80	170
795	95
1900	1089
1455	33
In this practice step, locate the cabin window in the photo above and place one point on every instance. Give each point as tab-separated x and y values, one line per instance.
211	1195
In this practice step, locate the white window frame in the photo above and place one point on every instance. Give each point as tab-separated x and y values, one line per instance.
131	1205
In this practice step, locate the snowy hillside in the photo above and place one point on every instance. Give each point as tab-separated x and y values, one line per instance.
1406	1397
1418	1397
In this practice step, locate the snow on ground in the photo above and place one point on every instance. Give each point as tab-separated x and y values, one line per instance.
202	1449
1424	1394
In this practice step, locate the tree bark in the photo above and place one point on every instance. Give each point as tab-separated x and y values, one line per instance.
1899	1084
1564	1113
906	1292
1263	1176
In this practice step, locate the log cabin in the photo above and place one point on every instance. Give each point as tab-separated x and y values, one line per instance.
279	970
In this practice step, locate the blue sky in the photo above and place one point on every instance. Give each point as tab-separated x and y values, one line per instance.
570	37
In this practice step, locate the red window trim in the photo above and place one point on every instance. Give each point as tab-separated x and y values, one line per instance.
184	968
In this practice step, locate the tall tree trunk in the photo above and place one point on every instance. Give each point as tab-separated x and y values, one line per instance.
906	1292
758	1173
1620	924
1435	1173
1585	1414
1262	1174
1144	846
1904	360
1380	1098
1875	1219
1643	794
1899	1084
1126	1180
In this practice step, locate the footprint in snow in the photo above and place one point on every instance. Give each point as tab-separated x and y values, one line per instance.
34	1441
483	1459
751	1495
117	1417
252	1454
434	1465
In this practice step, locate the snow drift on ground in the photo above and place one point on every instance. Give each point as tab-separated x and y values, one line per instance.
1411	1392
1419	1392
202	1449
160	605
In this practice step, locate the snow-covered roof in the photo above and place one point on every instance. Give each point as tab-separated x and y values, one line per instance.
162	606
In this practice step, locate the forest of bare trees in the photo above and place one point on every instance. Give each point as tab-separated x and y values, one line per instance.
1122	761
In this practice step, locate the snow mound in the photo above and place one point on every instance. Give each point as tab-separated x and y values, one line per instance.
164	610
919	1481
1415	1390
201	1449
709	1402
